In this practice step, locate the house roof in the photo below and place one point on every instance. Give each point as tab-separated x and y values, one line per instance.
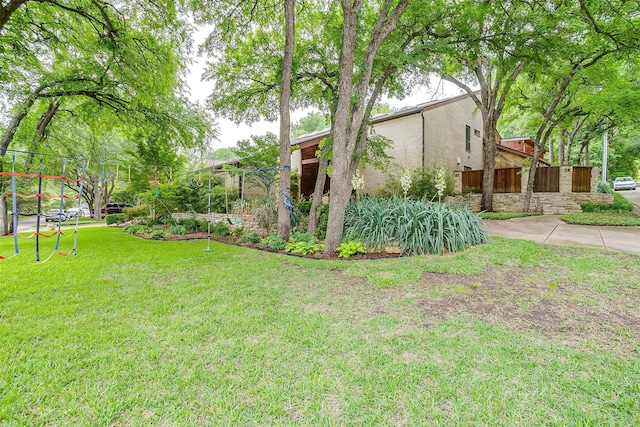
520	153
377	118
518	138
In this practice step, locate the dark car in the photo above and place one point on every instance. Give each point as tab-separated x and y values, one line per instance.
114	208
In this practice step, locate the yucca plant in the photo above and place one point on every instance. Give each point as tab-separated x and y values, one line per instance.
418	227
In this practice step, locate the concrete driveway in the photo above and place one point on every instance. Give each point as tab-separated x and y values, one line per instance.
549	229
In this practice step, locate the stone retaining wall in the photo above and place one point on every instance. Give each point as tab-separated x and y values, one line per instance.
546	203
248	223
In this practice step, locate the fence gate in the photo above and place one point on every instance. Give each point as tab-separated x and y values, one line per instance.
581	179
547	180
507	180
472	181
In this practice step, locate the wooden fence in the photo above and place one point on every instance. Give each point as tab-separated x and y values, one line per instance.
509	180
547	180
581	180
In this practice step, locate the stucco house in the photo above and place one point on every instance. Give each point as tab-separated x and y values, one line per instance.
445	132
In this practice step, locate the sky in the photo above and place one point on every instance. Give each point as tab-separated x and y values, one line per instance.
230	133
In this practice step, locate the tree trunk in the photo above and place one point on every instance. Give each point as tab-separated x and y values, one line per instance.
97	197
13	125
318	192
350	108
7	10
561	148
340	192
585	159
284	204
489	162
4	217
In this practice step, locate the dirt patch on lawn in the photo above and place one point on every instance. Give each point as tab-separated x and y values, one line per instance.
525	299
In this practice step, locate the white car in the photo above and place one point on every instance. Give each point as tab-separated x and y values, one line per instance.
78	212
55	215
624	183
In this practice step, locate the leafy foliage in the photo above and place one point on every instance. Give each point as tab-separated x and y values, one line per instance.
303	248
252	237
220	229
275	242
115	218
620	204
418	227
136	212
178	229
350	248
137	229
259	155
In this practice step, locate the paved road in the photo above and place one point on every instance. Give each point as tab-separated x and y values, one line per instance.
633	196
28	223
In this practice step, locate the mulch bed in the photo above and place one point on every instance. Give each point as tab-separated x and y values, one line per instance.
229	240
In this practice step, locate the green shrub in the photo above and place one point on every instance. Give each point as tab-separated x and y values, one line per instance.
137	229
303	248
189	224
157	234
250	238
347	249
620	204
136	212
178	230
304	206
220	229
418	227
275	242
304	237
238	232
323	220
115	219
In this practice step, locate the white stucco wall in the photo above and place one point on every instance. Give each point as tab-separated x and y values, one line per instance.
444	141
406	134
445	133
296	160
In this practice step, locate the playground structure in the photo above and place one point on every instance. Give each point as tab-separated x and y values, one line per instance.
41	177
26	172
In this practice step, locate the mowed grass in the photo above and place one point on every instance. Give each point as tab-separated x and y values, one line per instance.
138	332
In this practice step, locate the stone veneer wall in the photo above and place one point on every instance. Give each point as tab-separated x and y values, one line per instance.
248	223
546	203
563	202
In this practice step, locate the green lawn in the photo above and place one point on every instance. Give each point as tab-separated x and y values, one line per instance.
137	332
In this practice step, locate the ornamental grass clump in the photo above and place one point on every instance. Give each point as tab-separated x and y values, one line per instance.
417	227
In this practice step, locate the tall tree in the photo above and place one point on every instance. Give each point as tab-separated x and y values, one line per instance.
57	53
593	37
355	101
488	46
284	205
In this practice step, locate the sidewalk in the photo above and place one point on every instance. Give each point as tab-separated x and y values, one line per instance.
549	229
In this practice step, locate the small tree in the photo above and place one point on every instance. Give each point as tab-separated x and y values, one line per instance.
260	154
